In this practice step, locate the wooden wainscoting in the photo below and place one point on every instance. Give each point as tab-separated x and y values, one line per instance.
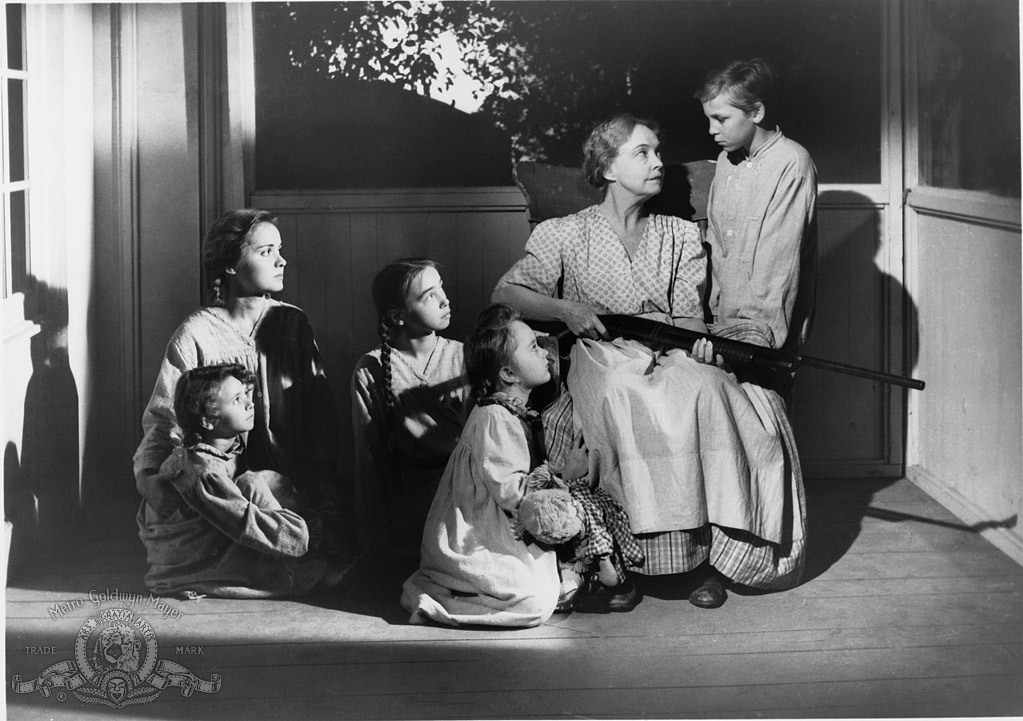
851	427
335	242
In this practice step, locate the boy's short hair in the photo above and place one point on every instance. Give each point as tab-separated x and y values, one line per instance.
197	390
743	82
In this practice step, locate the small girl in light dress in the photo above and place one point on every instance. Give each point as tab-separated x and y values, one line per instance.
474	570
410	399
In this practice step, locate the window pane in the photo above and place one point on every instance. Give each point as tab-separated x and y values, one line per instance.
5	278
19	243
16	140
15	35
969	98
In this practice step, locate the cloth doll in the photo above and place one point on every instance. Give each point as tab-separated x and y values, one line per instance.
587	522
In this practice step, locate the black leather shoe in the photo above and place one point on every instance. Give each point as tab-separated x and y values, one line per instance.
594	597
710	594
624	597
566	603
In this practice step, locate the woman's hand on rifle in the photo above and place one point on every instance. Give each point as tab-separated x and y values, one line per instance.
703	352
582	321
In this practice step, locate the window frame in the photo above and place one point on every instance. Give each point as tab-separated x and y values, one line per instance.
21	305
922	192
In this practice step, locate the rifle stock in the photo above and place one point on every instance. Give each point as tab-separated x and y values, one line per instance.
733	351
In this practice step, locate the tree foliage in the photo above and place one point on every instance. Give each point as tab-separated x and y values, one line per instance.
544	70
400	42
547	71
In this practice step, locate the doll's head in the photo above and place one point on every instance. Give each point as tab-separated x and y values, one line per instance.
214	402
550	515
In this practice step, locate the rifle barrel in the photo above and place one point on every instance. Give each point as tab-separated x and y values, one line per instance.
852	370
739	352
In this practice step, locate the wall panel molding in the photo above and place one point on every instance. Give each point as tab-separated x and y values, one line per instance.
211	108
396	200
239	127
489	198
966	206
850	427
125	195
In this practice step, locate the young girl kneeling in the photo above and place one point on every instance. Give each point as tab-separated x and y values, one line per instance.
473	570
217	530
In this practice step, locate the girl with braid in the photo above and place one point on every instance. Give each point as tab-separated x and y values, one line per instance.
410	399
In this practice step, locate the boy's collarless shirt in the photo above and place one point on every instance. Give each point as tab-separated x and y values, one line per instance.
762	236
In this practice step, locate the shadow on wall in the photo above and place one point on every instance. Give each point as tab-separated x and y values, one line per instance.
41	487
854	258
839	415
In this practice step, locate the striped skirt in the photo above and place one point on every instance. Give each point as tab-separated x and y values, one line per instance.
739	555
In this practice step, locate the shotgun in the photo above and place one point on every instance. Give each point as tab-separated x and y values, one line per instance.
734	352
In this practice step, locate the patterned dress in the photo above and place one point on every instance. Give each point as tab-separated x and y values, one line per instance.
400	456
583	254
706	467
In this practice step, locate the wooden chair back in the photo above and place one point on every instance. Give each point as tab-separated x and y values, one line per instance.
554	191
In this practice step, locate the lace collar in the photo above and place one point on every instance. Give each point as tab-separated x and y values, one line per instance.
514	405
210	450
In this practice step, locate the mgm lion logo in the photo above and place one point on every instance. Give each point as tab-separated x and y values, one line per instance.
117	649
116	665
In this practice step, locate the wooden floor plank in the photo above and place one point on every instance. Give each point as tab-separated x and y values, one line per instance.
742	614
608	664
679	688
877	565
905	611
899	698
904	639
23	607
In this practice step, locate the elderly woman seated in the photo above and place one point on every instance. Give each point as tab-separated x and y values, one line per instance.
705	465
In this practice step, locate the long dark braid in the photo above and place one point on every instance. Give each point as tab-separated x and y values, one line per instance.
390	400
390	291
